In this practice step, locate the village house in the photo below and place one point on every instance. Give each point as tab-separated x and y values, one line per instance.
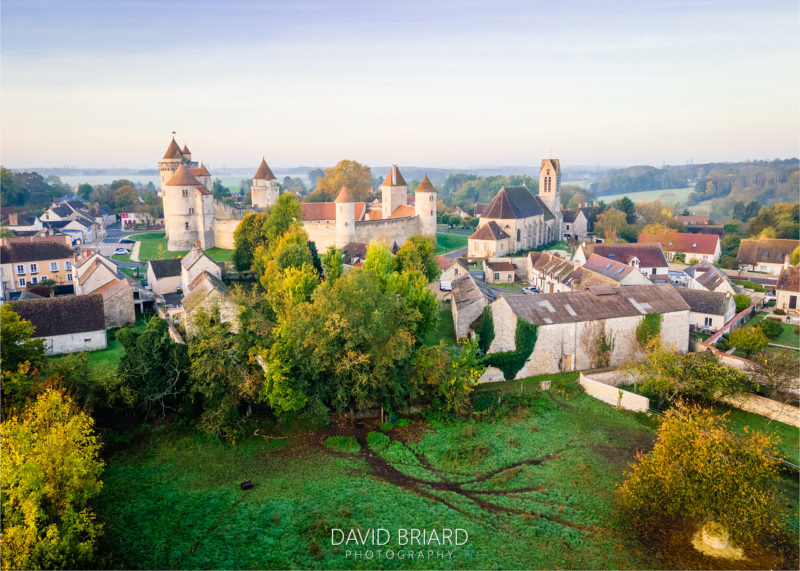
205	293
649	259
22	222
695	247
549	273
72	217
498	272
572	325
706	276
468	298
67	324
164	276
451	268
709	311
28	261
788	289
575	224
768	255
620	273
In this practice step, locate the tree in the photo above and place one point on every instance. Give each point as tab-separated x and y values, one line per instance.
748	339
124	196
332	263
699	469
609	223
246	238
627	206
355	176
776	372
51	471
416	253
313	176
444	377
84	191
772	328
18	346
742	302
219	190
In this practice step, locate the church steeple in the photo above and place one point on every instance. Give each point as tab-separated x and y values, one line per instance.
550	185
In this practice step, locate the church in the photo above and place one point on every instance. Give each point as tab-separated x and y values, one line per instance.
517	220
192	215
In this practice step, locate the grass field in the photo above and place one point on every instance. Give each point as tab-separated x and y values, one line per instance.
787	337
789	436
449	242
111	355
151	241
666	195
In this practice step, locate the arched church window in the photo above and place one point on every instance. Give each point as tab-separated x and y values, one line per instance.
518	235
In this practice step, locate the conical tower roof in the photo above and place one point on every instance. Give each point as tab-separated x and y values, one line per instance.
173	151
263	172
344	195
200	171
425	186
394	178
182	177
186	150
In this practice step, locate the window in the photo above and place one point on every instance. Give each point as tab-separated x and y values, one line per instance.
67	265
707	322
69	277
42	278
34	280
518	235
34	268
53	266
87	340
185	225
191	211
21	282
184	193
20	269
497	276
653	272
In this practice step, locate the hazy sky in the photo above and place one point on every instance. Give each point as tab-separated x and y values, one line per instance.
432	83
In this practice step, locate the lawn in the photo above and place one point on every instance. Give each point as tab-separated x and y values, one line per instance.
666	195
150	243
532	490
789	436
112	354
787	337
446	330
449	242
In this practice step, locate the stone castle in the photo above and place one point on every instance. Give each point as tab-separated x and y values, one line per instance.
192	215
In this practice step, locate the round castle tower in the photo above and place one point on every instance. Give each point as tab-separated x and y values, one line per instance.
264	191
425	207
393	192
345	218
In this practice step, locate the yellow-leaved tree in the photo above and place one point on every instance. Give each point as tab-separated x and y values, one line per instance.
355	176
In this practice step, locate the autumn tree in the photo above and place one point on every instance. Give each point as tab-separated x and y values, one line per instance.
51	472
702	471
416	253
20	357
748	339
124	196
444	377
355	176
609	224
332	263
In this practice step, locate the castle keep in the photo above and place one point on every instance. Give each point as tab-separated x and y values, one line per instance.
191	214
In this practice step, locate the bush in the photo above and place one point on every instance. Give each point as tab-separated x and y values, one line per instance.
748	339
749	285
742	302
779	312
346	444
772	328
649	328
377	441
396	453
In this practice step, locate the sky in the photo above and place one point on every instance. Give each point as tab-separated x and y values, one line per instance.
103	83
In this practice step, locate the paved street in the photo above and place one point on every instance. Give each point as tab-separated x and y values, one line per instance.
113	233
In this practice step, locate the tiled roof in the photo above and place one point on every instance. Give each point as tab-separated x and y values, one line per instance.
467	290
200	171
14	252
444	262
425	186
166	268
649	255
173	151
584	278
612	269
490	231
203	190
701	301
186	150
354	252
688	243
512	202
480	208
63	315
500	266
772	251
403	211
789	280
707	275
596	303
182	177
549	265
263	172
344	195
394	178
326	210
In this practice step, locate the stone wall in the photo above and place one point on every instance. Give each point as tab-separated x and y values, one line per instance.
466	315
608	393
392	230
118	307
86	341
223	232
322	233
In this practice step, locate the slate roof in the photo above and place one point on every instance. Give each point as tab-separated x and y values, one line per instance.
596	303
57	224
707	275
490	231
500	266
549	265
480	208
612	269
684	242
173	151
701	301
649	255
104	210
569	214
61	210
772	251
166	268
354	252
63	315
14	252
24	219
394	178
514	202
263	172
789	279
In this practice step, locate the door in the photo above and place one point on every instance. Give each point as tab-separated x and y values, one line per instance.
792	302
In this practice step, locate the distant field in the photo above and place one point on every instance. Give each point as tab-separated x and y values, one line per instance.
667	195
450	242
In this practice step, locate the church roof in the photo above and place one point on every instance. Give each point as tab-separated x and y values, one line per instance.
490	231
515	202
425	186
182	177
394	178
263	172
344	195
173	151
201	171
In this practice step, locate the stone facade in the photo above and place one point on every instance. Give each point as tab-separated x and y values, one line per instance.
74	342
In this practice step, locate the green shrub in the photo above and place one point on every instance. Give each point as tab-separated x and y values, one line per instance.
649	328
485	329
377	441
779	312
510	362
347	444
772	328
749	285
402	422
386	426
396	453
742	302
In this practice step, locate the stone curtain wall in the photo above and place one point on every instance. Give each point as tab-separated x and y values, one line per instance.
223	233
388	231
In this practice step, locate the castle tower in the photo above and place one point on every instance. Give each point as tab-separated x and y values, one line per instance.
425	208
345	218
394	191
188	211
264	191
172	159
550	185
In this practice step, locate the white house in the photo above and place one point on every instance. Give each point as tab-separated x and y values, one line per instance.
708	310
788	289
649	259
67	323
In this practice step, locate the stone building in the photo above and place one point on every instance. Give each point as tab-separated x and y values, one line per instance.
575	225
788	289
498	272
518	220
67	324
96	274
766	255
649	259
706	276
709	311
699	247
164	276
572	324
191	214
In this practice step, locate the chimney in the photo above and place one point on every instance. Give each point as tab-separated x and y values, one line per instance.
786	262
13	220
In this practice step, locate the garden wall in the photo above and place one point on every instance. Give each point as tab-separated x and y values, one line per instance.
601	386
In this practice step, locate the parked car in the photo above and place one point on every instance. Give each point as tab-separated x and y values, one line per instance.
121	252
126	241
530	289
